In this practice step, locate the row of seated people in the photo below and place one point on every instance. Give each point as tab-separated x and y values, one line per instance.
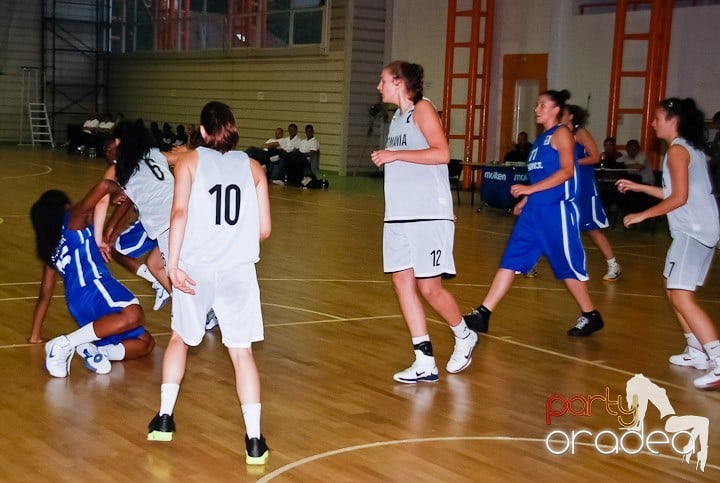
90	138
166	139
289	159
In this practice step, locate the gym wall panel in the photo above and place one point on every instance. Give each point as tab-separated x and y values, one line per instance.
264	93
20	36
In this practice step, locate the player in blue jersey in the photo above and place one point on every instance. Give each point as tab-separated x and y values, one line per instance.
109	315
692	212
548	222
419	228
592	213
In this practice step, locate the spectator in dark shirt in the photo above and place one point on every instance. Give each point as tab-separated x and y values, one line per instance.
521	150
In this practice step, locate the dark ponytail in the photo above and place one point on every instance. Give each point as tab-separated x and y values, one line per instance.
47	215
691	120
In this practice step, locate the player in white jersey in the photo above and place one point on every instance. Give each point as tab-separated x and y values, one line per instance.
220	213
692	214
419	222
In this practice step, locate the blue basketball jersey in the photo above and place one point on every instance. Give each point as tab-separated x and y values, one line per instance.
544	160
91	291
592	212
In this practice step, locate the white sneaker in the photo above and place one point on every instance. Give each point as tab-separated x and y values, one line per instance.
161	295
94	360
58	354
423	369
211	320
692	357
613	272
462	354
711	380
278	182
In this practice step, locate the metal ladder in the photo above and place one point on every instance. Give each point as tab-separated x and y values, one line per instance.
40	130
32	109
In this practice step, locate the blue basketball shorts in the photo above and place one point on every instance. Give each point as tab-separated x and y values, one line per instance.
134	241
102	296
551	230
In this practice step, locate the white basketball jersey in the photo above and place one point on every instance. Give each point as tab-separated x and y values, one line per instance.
223	227
698	217
414	191
151	189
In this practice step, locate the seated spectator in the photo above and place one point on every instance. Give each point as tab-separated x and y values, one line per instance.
156	133
78	139
181	136
610	155
298	164
521	150
167	138
269	149
636	160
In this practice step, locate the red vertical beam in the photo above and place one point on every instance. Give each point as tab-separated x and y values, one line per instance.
472	80
616	67
487	62
449	60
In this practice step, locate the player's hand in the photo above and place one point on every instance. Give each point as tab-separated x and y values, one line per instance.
381	157
106	252
181	281
633	218
624	185
518	190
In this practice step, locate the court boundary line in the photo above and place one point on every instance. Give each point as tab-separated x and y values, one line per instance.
378	444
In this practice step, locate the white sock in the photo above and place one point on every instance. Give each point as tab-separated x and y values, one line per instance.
84	334
461	330
251	415
611	261
712	349
144	272
114	352
168	397
693	341
422	338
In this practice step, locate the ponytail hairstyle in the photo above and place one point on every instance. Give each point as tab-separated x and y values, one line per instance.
135	143
412	75
579	115
220	128
46	215
691	120
558	97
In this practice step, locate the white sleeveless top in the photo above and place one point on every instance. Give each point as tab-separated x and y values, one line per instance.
223	227
414	191
151	189
698	217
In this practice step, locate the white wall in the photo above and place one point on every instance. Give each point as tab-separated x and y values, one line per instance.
418	35
579	48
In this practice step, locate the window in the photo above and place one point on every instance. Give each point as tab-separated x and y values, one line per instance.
196	25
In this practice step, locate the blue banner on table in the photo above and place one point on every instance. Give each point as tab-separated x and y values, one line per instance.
496	182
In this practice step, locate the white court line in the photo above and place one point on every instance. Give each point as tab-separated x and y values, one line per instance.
348	449
47	168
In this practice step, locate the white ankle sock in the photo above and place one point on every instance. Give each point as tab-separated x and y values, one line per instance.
422	338
611	262
693	341
712	349
144	272
114	352
168	397
461	330
251	415
84	334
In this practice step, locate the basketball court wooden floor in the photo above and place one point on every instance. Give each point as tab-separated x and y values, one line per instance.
334	336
